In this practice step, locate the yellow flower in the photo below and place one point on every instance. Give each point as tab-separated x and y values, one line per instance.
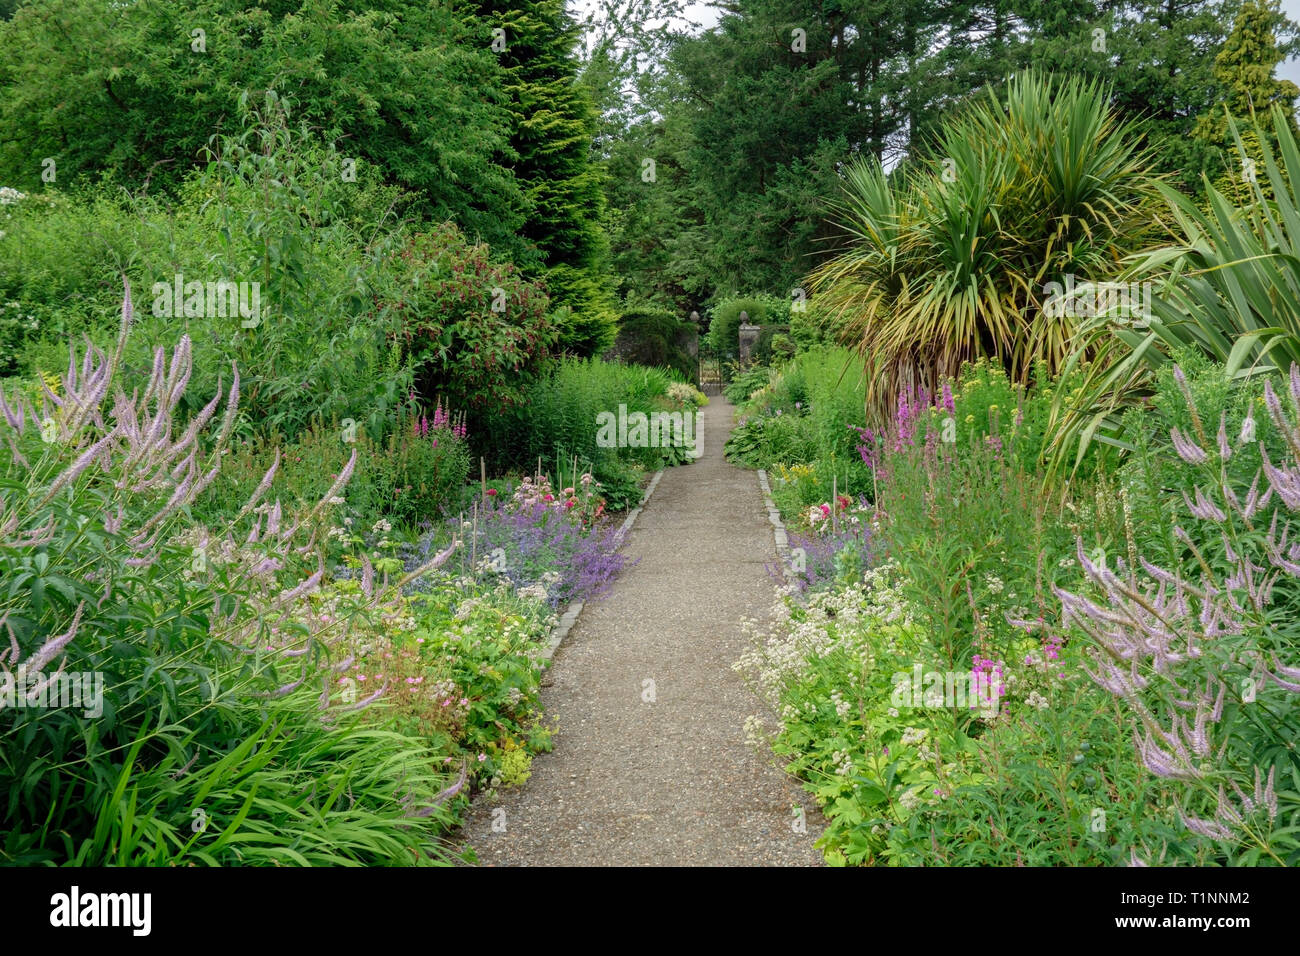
970	419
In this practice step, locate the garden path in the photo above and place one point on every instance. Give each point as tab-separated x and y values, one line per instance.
659	773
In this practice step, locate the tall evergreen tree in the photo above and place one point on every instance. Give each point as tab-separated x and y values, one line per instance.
1244	68
554	122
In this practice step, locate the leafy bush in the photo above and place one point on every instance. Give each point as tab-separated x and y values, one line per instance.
419	474
808	413
559	422
654	337
202	727
475	331
745	384
431	117
724	319
269	209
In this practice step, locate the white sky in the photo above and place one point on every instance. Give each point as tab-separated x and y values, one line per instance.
1290	70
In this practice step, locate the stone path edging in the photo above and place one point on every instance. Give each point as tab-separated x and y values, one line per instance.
570	615
779	533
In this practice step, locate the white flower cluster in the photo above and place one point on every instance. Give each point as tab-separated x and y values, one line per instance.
9	196
913	736
17	318
842	707
843	762
535	592
831	622
682	393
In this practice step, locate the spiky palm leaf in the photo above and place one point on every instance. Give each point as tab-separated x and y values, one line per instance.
947	262
1229	287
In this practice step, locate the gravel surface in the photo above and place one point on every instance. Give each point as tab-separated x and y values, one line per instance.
647	774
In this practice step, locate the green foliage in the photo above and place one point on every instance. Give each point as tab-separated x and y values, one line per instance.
476	331
950	258
809	413
1244	69
746	383
1217	723
655	337
724	319
552	124
270	210
559	420
1228	287
418	474
427	116
193	737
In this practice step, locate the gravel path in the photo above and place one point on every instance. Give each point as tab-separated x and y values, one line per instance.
635	781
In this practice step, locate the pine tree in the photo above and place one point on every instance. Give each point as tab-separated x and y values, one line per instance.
554	124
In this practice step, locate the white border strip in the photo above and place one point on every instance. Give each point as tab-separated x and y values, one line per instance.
778	529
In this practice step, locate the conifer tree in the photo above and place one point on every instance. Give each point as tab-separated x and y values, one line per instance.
554	124
1244	68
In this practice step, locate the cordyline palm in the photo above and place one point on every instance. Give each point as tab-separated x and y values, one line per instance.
1228	288
948	261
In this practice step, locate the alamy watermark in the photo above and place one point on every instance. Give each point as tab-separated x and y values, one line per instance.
973	690
1128	302
653	430
213	300
38	691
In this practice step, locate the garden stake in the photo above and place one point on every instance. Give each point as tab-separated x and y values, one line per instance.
482	477
835	503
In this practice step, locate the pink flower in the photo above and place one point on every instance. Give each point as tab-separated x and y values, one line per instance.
492	492
826	510
482	757
548	497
